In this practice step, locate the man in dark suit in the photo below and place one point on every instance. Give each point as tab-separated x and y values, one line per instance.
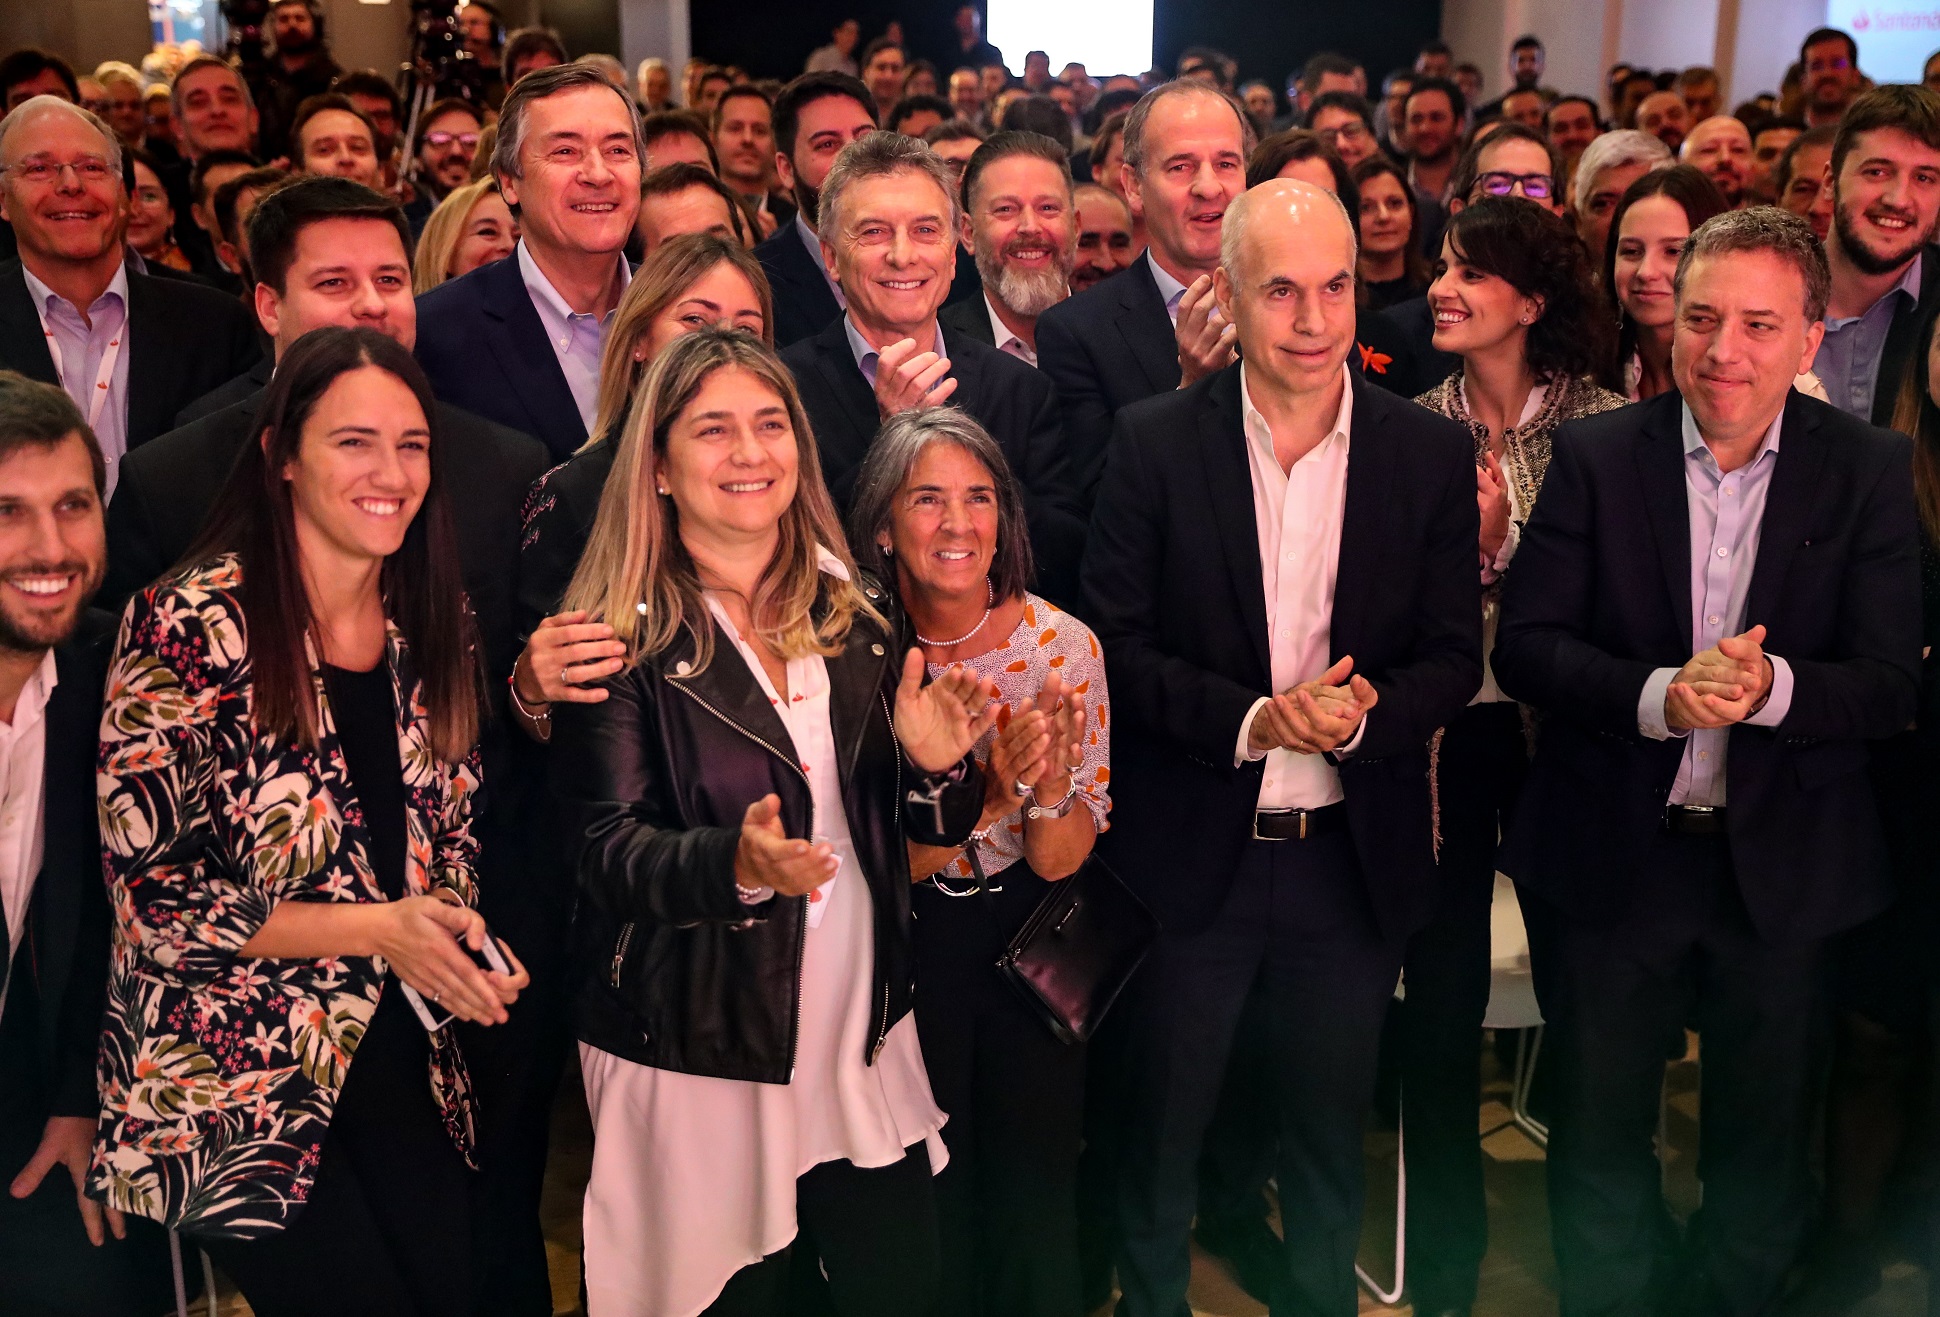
1715	606
60	1251
331	252
1021	230
131	349
519	341
889	226
1885	271
1282	575
815	116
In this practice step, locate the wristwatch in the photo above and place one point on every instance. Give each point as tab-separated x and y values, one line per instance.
1057	811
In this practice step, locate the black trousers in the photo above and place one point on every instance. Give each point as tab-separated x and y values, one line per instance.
47	1266
1007	1202
1437	1035
873	1233
387	1228
1685	949
1297	921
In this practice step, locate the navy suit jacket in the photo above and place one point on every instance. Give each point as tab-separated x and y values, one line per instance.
1599	594
483	347
1173	589
183	340
804	306
1009	399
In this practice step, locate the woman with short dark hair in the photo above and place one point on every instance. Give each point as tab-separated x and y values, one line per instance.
287	777
939	515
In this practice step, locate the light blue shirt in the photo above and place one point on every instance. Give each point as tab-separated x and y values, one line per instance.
1169	288
577	338
813	241
78	347
1848	360
865	355
1726	510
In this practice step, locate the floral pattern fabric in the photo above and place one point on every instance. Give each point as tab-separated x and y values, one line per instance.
219	1071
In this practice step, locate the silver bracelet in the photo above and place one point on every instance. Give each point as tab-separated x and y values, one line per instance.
543	718
1057	811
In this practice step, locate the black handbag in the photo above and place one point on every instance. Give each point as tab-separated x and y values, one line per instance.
1079	948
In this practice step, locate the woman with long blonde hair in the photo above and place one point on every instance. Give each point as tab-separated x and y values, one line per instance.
471	227
739	805
689	283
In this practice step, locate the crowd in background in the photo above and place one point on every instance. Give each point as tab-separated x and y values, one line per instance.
683	573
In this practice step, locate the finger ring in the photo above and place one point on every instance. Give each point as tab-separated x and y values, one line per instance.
1021	788
436	995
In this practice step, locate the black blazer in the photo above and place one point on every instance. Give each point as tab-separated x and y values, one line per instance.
167	489
559	515
1008	398
484	349
69	926
1174	592
804	305
968	318
1906	336
245	386
1113	345
1600	594
183	340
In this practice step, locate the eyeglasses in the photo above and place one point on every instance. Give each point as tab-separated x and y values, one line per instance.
43	172
440	140
1536	187
1353	132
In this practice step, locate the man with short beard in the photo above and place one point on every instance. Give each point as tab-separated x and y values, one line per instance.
60	1250
1020	228
1829	60
300	68
1885	274
1721	148
1106	243
815	116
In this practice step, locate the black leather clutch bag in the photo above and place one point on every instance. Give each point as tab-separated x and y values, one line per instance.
1079	949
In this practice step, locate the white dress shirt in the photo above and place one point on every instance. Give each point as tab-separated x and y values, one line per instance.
1005	338
578	339
23	759
1169	288
1298	515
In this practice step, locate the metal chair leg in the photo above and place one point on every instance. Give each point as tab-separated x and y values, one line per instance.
209	1284
175	1266
1529	1046
1389	1298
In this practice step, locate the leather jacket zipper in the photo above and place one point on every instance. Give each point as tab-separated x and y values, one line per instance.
882	1024
801	934
619	951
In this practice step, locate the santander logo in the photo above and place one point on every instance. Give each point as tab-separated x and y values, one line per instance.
1860	22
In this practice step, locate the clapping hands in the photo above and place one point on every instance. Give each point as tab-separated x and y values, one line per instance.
1721	686
1315	716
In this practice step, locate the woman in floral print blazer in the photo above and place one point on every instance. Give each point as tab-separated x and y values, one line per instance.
285	787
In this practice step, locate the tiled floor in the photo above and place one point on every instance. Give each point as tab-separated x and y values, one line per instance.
1518	1275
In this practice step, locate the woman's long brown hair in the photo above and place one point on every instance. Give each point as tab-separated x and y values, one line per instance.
423	589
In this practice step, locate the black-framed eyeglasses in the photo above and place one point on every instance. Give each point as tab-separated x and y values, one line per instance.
1353	130
438	141
1495	183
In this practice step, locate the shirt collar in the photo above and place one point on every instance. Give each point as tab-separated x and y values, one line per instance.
865	355
1170	289
1694	440
32	700
829	564
117	287
1258	431
546	298
1909	284
1002	334
810	238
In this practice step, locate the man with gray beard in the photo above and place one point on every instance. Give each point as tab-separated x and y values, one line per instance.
1020	225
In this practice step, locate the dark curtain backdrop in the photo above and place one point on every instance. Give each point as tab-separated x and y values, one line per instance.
771	38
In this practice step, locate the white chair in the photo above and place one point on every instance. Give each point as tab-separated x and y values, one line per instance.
1512	1005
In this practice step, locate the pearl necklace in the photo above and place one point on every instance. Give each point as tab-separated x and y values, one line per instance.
990	592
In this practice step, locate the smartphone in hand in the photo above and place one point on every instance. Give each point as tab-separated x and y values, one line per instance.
488	958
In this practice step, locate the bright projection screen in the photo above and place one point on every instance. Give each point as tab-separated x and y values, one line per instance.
1895	36
1106	36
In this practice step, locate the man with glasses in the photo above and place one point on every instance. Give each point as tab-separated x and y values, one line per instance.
131	350
447	140
1345	122
1830	61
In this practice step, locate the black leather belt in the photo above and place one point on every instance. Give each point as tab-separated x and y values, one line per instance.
1299	824
1694	820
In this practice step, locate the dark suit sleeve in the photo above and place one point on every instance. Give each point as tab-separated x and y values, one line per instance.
1873	691
134	554
1542	656
1198	710
244	344
1445	668
84	1005
1081	398
548	553
1051	501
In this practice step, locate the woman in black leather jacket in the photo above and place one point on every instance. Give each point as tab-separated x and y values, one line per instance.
742	803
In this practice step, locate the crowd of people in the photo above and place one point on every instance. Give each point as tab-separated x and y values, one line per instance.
517	582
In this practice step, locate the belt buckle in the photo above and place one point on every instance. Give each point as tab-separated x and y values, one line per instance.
1305	817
